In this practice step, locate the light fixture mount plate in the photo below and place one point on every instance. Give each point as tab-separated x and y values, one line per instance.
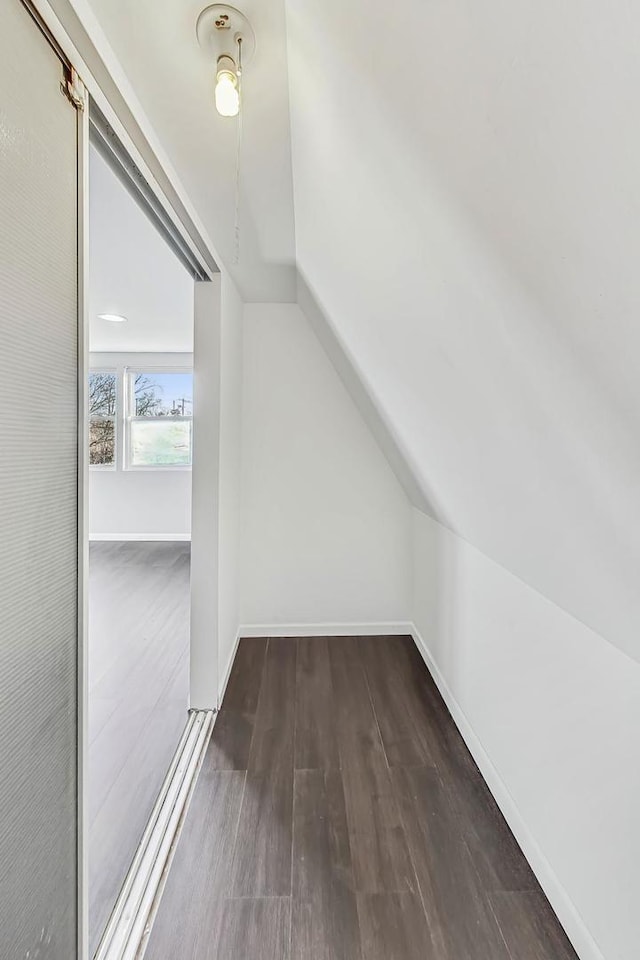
218	28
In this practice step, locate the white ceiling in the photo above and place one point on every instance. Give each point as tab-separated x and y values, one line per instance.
467	208
133	273
155	41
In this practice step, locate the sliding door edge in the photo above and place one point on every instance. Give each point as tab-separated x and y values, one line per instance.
82	651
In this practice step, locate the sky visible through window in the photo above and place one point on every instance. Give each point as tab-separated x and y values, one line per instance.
160	436
172	394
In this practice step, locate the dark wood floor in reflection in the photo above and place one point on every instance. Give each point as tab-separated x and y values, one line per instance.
339	816
138	697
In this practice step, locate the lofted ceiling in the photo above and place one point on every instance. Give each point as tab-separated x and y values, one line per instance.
467	205
155	42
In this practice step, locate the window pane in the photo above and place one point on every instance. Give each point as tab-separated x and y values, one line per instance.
162	394
102	447
160	443
102	394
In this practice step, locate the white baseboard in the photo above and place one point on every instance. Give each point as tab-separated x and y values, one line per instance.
141	537
571	920
325	629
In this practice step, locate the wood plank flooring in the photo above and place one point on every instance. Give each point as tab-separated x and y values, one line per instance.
339	816
138	695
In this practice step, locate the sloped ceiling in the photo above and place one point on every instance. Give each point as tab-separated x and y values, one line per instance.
467	199
466	190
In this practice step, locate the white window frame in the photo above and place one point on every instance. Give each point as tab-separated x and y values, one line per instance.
112	371
128	373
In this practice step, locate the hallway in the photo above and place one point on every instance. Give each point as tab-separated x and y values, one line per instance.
339	816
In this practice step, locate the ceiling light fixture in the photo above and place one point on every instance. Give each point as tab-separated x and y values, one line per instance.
113	317
227	37
227	88
228	40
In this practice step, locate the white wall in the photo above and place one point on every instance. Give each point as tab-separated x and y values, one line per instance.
231	362
139	504
466	219
204	682
469	225
325	524
468	222
552	713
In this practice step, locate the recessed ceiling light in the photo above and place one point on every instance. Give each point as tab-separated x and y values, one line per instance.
114	317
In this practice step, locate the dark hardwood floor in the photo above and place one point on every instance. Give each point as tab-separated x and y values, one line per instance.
138	697
339	816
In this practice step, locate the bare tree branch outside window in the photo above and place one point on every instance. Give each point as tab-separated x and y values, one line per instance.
102	411
147	403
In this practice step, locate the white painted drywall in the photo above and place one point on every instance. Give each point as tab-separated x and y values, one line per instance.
466	192
203	682
325	524
466	221
139	504
556	710
231	360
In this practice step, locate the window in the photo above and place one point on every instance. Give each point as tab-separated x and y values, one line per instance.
102	418
140	419
159	418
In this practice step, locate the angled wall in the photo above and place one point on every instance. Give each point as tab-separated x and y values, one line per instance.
551	713
465	182
465	186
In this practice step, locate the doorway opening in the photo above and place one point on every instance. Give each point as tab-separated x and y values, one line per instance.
140	409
